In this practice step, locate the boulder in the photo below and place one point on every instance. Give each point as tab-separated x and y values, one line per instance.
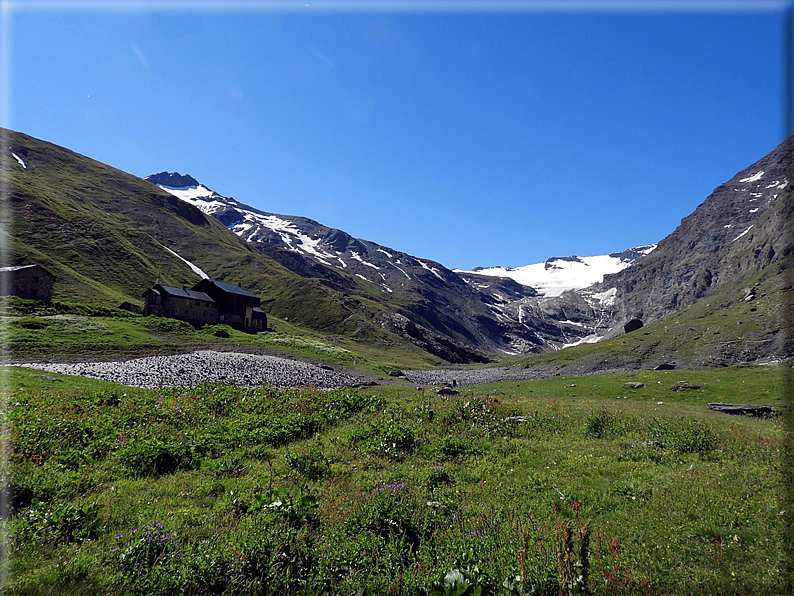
632	325
447	391
683	386
131	307
517	419
741	409
221	333
633	385
664	366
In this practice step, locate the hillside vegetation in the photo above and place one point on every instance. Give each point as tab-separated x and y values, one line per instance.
105	234
516	488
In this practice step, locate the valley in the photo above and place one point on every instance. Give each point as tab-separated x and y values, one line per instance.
400	427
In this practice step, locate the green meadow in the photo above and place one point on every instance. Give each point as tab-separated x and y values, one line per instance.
571	485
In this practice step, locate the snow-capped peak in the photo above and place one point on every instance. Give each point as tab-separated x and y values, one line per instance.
559	274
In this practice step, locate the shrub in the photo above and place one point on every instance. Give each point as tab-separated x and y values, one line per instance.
391	437
231	466
156	457
451	447
309	461
53	523
599	424
684	436
438	477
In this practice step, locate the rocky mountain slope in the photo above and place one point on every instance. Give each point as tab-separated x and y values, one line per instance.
466	307
741	228
108	236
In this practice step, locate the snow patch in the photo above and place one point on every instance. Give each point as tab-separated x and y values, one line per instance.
19	159
753	210
569	322
362	277
433	270
727	226
344	265
590	339
193	267
401	270
384	252
354	255
753	178
606	298
742	234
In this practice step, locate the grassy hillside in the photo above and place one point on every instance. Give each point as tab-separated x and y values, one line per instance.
596	487
105	234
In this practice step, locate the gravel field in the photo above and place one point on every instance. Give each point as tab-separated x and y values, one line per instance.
469	378
208	366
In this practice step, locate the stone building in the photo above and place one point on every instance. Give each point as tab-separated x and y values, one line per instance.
187	305
27	281
237	307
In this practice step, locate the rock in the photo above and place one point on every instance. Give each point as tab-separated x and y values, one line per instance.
517	419
654	444
683	386
741	409
664	366
395	373
447	391
632	325
634	385
221	333
131	307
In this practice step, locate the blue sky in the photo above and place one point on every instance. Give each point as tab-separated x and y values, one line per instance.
469	138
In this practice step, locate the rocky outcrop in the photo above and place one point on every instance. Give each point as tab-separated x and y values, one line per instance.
738	230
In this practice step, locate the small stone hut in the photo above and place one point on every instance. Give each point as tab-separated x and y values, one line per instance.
188	305
33	282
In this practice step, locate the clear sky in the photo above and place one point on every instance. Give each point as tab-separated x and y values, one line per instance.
487	137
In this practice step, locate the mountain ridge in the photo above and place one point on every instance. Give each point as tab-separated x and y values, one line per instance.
109	234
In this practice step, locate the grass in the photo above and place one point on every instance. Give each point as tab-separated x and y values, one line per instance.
397	491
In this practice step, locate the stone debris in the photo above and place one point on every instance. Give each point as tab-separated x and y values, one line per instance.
209	366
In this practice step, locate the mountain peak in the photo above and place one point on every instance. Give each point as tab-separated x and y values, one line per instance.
172	179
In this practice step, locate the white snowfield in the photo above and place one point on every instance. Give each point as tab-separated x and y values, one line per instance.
561	275
199	196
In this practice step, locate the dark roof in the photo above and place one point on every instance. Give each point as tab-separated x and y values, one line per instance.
233	289
184	293
20	267
259	313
